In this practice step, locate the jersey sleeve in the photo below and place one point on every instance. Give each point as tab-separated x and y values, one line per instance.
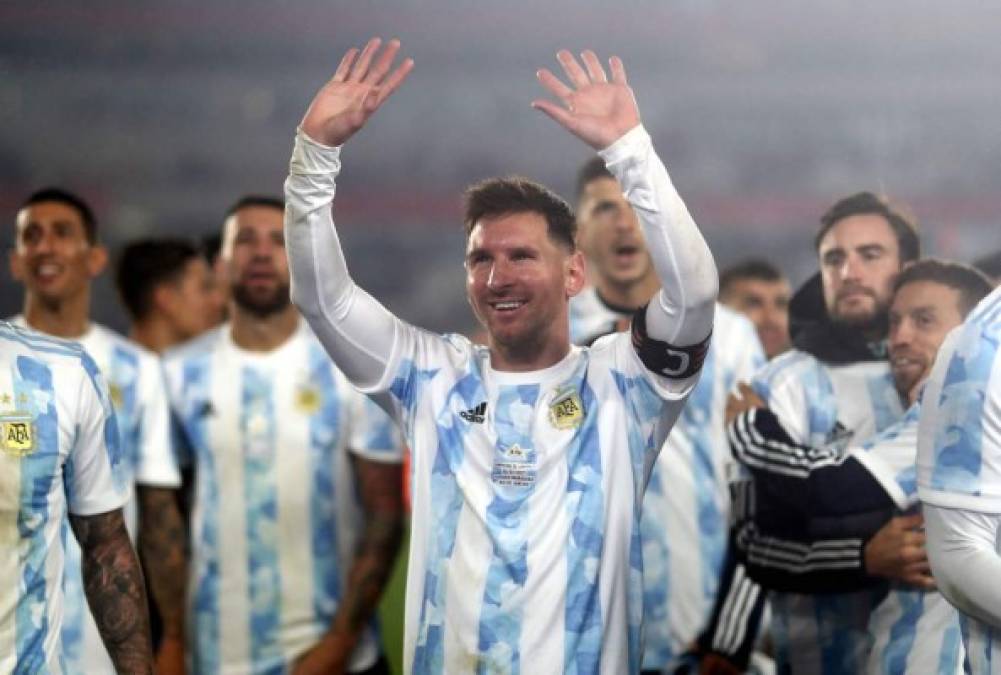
890	459
158	464
959	448
94	475
782	388
374	434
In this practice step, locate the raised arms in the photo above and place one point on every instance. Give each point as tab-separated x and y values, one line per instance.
113	584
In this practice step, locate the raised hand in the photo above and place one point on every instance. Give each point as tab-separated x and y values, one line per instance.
595	110
357	89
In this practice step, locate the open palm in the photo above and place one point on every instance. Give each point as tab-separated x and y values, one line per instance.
357	89
594	109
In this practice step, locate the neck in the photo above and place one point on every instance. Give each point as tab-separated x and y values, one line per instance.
528	356
262	334
631	295
65	318
155	334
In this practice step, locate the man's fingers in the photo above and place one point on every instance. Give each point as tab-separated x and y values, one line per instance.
618	70
556	112
362	64
593	65
382	64
554	85
344	67
573	70
395	79
911	521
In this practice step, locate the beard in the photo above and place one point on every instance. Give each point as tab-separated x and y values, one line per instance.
876	322
262	305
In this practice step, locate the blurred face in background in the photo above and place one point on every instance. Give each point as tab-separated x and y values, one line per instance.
766	304
190	301
52	255
859	259
921	315
609	235
253	258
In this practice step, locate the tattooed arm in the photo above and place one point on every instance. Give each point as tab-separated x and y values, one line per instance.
113	584
381	488
163	548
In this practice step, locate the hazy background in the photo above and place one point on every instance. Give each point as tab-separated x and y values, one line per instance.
765	112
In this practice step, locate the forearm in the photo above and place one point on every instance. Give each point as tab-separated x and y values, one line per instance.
962	549
367	578
356	330
163	546
113	584
682	312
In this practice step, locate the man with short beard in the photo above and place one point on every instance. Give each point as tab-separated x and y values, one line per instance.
810	502
833	388
297	511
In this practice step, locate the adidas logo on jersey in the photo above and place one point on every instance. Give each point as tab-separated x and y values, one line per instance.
475	415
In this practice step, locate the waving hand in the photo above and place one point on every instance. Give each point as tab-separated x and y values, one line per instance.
357	89
595	110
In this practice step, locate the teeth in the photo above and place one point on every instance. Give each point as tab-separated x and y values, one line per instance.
48	269
508	305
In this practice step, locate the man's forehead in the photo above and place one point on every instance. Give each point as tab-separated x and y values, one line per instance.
257	217
925	294
48	211
602	187
859	231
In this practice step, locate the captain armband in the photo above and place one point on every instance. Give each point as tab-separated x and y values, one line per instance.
664	358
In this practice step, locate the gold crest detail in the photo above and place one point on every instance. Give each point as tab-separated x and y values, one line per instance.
18	434
308	399
117	397
566	411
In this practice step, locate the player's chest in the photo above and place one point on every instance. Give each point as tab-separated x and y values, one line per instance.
857	403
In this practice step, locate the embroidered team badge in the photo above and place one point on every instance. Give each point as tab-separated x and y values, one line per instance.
18	434
566	410
308	399
117	396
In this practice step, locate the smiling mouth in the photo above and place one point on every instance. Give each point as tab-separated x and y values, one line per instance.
48	271
507	305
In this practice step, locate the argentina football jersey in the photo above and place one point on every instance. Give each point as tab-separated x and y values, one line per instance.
518	479
59	454
276	516
959	449
826	406
686	506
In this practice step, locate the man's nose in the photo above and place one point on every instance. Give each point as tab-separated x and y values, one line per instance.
499	275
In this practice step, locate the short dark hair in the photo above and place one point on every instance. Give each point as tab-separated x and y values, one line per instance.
591	170
863	203
75	202
758	269
972	284
502	196
145	264
247	201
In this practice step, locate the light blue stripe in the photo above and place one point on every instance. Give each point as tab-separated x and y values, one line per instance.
903	631
949	655
196	383
657	582
842	627
75	608
585	509
500	626
126	362
33	380
261	499
446	504
324	432
886	408
112	435
40	342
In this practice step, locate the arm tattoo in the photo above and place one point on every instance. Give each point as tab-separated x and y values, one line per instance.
113	584
163	550
381	489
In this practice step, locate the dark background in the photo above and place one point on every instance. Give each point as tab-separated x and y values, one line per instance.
163	113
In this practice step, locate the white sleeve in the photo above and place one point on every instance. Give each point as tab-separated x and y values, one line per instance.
374	435
682	313
157	462
355	329
962	549
93	475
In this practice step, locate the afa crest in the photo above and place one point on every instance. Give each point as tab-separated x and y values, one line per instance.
308	399
18	434
117	396
566	410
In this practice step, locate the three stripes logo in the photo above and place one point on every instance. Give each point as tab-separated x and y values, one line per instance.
475	415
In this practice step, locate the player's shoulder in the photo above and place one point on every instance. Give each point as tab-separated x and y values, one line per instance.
196	348
976	341
121	345
21	341
788	366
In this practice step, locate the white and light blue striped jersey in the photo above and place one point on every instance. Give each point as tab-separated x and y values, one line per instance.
826	405
276	515
913	631
59	454
686	508
959	448
525	545
591	317
138	394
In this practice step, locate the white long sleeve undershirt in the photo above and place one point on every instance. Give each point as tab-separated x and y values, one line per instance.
963	551
360	333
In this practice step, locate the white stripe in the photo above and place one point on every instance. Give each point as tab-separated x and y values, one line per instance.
752	593
777	456
10	506
728	614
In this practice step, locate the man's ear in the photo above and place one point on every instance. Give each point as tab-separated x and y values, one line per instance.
576	274
97	260
16	269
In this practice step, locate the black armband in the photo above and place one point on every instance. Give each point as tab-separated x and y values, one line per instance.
663	358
